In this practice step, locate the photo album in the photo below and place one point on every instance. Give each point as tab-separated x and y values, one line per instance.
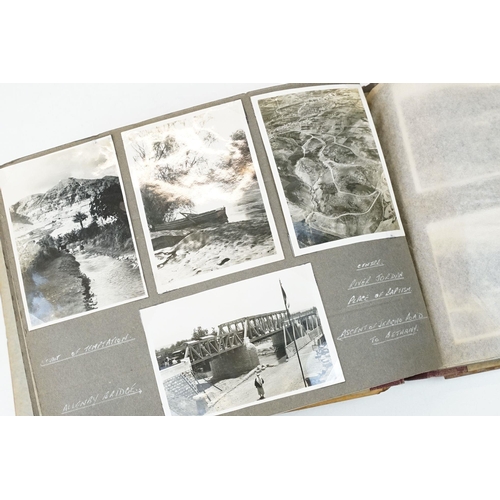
271	251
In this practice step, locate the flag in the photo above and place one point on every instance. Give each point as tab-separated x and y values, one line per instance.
285	298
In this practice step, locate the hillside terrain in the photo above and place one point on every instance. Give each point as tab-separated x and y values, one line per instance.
328	164
58	232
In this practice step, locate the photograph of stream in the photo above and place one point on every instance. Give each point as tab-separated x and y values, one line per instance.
201	196
73	242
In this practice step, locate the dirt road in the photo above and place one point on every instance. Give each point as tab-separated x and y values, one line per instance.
282	378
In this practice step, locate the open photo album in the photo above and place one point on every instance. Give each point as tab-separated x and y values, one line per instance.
267	252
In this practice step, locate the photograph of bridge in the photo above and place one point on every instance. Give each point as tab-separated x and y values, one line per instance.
242	344
330	174
201	196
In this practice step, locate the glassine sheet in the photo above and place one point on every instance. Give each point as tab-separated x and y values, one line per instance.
441	145
467	257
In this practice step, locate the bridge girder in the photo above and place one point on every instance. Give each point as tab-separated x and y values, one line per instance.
232	335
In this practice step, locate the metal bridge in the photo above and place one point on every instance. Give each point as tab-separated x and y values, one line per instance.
255	328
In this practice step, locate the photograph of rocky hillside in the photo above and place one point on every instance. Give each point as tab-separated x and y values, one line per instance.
73	241
328	169
201	196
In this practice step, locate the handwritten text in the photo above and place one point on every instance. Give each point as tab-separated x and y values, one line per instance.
97	399
369	265
394	335
380	325
99	346
376	280
385	294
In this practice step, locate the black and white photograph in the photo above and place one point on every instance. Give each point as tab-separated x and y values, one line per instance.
328	167
242	344
71	233
201	196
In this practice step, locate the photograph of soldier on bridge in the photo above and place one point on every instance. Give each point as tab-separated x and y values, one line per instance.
213	350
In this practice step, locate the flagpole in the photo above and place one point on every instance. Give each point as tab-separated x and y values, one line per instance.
293	333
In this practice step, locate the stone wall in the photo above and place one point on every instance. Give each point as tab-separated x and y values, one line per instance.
181	389
234	363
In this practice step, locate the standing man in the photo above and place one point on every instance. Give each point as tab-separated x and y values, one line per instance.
259	383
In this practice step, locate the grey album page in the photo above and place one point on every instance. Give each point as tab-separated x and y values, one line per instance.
442	149
242	257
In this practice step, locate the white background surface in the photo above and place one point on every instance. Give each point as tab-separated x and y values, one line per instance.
351	458
36	117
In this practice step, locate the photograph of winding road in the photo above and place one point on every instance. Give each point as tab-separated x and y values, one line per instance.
73	242
332	183
201	196
218	351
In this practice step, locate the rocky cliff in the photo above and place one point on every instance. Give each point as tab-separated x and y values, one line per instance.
65	193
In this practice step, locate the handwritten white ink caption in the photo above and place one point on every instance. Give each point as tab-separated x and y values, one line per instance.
394	335
98	399
379	279
365	266
396	327
88	349
380	325
390	293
